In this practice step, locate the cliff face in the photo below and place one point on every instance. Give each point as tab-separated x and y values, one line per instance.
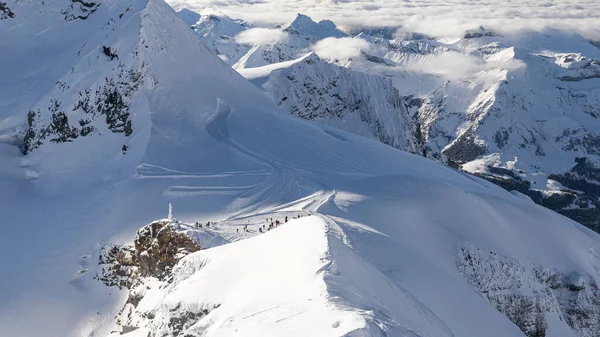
368	105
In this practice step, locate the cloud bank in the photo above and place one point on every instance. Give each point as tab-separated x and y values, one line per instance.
433	17
343	48
262	36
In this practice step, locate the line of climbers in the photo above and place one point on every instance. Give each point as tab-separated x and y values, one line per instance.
199	224
262	229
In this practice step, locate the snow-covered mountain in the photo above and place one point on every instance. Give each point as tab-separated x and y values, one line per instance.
526	119
519	110
364	104
218	33
296	38
299	36
118	109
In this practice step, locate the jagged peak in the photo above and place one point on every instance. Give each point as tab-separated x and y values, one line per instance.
219	25
188	16
304	24
479	32
311	58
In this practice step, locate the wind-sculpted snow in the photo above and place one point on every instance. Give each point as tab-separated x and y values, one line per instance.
374	252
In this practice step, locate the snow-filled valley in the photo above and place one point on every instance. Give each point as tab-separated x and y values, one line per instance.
118	109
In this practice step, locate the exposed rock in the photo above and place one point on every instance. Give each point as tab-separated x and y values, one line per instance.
110	52
109	100
80	10
480	32
526	294
5	11
117	266
465	148
183	320
158	247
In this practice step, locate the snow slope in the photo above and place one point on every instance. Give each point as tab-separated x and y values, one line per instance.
218	33
381	255
518	109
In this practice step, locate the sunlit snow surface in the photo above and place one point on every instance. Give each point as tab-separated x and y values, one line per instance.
379	253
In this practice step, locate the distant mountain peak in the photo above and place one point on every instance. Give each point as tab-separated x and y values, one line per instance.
306	25
188	16
479	32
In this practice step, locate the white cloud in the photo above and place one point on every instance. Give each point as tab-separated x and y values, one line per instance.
449	64
262	36
343	48
457	65
433	17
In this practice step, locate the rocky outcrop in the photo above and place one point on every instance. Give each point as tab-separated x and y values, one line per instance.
107	102
118	267
148	264
479	32
80	10
5	11
157	248
528	294
583	182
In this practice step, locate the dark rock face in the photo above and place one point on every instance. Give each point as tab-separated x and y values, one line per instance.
580	200
157	248
5	12
584	178
476	33
465	148
80	10
109	100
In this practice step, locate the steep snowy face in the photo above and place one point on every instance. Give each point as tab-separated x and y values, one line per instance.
539	121
85	80
360	103
519	110
295	39
218	33
107	91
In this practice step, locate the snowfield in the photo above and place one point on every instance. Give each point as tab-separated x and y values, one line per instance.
389	243
519	109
